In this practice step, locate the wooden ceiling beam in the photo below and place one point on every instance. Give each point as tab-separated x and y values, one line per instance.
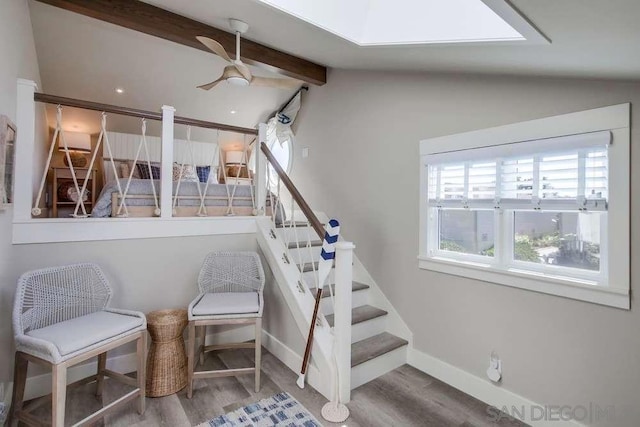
139	16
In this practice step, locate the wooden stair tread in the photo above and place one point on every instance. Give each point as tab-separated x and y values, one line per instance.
361	314
377	345
314	244
357	286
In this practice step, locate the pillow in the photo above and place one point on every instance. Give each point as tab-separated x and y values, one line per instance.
136	173
124	170
187	172
143	170
213	177
203	173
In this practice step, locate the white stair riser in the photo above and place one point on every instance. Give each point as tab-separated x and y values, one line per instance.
310	280
303	254
372	369
299	234
363	330
358	299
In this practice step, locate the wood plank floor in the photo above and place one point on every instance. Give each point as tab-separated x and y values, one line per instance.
404	397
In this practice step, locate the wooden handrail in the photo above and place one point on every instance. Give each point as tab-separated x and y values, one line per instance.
133	112
304	206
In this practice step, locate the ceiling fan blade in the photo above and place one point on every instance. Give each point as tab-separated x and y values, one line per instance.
211	85
244	70
214	47
277	83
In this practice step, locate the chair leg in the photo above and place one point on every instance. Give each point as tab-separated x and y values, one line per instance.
258	351
59	387
19	384
102	365
191	344
141	349
202	338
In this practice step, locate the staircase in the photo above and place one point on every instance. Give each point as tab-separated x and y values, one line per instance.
374	349
358	330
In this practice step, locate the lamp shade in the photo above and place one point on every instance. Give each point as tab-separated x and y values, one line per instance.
76	141
235	158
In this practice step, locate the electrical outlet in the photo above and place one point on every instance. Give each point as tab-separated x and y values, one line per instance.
305	152
494	372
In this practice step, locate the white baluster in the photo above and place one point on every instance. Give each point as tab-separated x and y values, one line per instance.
342	319
166	173
25	150
260	177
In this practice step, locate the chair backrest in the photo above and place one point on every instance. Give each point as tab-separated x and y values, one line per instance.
231	272
52	295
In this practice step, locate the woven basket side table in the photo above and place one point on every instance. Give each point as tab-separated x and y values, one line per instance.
167	360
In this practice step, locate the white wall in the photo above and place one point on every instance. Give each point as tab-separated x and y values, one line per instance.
146	274
18	55
365	128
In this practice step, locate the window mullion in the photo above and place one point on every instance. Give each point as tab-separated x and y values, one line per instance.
535	184
465	195
582	178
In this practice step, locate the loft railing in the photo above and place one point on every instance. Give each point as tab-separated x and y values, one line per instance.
166	201
133	112
301	247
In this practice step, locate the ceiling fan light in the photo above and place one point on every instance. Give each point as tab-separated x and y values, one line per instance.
237	81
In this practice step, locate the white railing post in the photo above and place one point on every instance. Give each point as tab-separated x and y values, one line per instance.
342	323
24	150
260	177
166	174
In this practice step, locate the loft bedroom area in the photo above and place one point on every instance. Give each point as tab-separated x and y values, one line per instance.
273	212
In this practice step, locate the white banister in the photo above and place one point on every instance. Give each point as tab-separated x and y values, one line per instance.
24	150
166	173
342	322
260	177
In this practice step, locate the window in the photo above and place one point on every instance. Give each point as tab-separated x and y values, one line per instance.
532	213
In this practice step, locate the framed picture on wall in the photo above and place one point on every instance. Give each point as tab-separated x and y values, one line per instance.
7	157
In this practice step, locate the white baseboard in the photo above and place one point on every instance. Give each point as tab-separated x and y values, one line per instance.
484	390
294	361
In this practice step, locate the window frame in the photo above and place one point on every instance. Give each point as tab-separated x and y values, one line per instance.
610	285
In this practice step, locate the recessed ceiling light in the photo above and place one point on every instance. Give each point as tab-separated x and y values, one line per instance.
233	111
119	90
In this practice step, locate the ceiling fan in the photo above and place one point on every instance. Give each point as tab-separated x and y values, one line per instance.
238	73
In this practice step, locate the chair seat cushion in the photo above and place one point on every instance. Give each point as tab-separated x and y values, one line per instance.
227	303
81	332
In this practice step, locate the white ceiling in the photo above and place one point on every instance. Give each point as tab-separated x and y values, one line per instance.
84	58
382	22
590	38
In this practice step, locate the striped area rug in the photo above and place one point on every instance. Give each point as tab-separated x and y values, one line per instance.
280	410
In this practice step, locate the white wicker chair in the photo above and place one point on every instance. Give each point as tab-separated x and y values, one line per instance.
60	319
231	292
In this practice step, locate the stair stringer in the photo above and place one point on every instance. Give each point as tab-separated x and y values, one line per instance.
301	303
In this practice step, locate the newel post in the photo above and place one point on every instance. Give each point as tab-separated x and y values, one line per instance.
166	171
342	328
260	174
24	150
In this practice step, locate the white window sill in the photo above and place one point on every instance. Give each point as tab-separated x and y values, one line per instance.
55	230
578	289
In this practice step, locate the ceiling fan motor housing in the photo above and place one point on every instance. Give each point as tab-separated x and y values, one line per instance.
238	26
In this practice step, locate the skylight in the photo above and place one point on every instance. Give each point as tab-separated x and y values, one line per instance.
384	22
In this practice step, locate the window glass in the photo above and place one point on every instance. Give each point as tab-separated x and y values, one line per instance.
467	231
566	239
